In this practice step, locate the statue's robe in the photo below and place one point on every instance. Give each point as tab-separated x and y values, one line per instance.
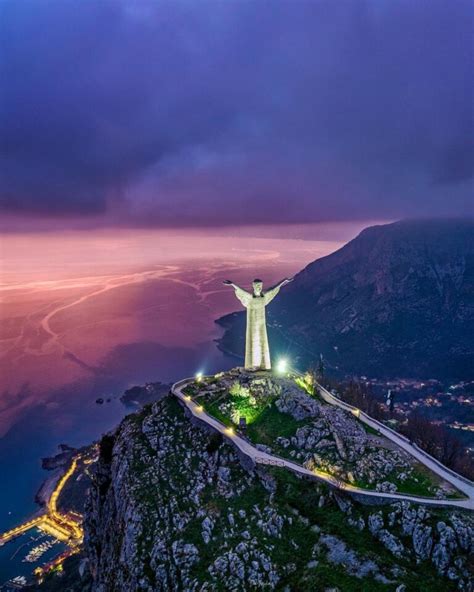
257	352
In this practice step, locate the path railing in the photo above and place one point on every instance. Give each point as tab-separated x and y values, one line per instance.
269	461
277	460
387	431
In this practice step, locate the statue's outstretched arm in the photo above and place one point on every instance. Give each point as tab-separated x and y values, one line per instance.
241	294
272	292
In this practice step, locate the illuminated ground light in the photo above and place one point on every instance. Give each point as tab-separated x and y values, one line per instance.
282	366
187	398
230	431
200	408
198	376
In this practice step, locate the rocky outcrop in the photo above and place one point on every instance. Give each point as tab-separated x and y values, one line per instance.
340	554
334	440
297	404
172	509
405	530
60	460
444	544
165	512
150	392
317	435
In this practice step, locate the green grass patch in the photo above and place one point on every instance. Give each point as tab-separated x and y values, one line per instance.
369	430
271	424
456	495
421	482
191	390
242	405
213	409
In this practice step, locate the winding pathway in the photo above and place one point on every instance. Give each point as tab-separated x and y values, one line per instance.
260	457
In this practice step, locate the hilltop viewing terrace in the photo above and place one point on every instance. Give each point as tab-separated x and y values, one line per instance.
283	414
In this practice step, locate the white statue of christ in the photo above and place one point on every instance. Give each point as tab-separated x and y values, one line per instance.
257	352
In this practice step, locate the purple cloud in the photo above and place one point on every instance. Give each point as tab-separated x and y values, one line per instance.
197	113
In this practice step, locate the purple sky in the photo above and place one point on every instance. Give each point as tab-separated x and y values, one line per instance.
235	112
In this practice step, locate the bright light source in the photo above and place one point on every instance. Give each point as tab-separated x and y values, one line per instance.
230	431
282	366
198	376
187	398
200	408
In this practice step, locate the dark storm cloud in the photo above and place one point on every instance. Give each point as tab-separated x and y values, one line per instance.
215	112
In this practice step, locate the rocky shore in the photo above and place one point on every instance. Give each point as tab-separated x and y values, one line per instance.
138	396
56	465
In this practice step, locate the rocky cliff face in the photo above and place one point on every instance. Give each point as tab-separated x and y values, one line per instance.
396	300
172	508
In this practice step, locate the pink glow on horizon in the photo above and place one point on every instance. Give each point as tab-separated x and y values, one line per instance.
69	300
43	256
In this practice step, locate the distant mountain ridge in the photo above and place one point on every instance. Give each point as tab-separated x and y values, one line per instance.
398	300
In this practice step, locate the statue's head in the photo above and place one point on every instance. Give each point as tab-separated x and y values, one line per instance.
257	287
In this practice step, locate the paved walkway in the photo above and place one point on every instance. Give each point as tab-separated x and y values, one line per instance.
260	457
463	484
